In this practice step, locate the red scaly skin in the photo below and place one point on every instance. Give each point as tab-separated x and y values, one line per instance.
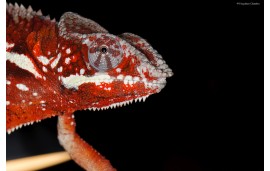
55	68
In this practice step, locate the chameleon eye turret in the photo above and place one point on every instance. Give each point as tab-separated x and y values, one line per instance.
105	53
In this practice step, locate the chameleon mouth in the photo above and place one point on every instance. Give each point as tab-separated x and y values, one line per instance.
9	131
110	92
120	104
111	106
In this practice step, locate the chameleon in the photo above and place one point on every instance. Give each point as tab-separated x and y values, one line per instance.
56	68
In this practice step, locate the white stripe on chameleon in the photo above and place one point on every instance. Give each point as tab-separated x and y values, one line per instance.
23	62
74	81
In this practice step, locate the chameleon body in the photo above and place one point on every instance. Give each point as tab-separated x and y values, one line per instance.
55	68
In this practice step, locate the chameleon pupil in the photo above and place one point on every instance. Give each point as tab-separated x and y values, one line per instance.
103	50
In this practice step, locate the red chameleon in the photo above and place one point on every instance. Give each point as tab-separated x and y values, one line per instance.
55	68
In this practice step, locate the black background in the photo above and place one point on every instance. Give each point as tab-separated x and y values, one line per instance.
209	117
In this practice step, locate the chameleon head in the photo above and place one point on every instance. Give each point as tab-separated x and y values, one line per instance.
116	69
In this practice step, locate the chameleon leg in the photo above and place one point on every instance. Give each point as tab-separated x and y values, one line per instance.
81	152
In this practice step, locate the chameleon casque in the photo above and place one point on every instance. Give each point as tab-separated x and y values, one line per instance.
55	68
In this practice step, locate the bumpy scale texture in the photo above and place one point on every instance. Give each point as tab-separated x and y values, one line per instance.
55	68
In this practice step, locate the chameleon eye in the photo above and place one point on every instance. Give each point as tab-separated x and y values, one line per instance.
105	53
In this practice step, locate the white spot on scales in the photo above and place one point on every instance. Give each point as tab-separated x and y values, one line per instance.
68	51
22	87
118	70
109	88
82	71
67	60
60	69
44	69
